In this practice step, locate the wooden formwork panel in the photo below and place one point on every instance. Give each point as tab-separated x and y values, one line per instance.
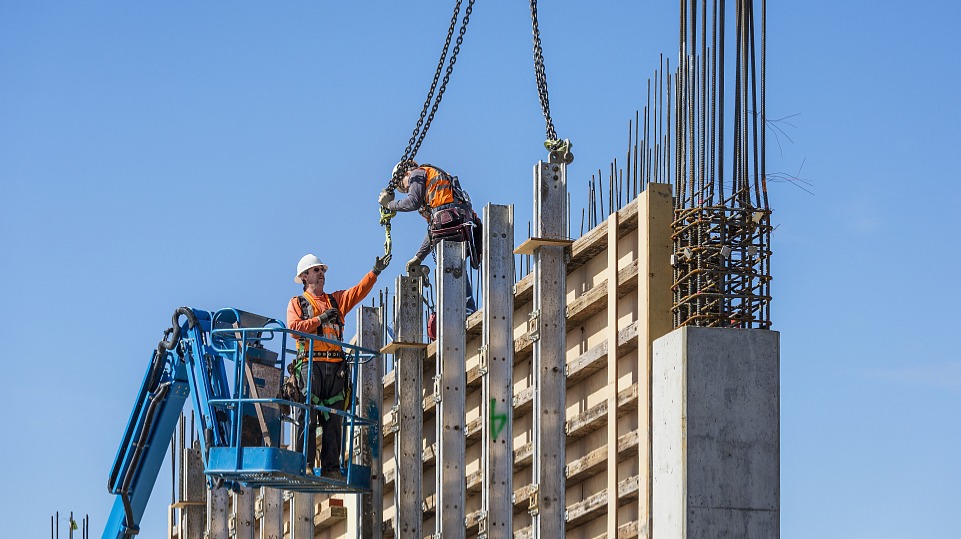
638	322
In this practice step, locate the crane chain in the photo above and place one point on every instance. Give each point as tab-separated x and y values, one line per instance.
560	150
541	75
425	119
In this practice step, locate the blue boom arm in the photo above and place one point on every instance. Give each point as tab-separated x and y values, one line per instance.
190	360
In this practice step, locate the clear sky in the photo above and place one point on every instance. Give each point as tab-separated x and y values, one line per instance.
161	154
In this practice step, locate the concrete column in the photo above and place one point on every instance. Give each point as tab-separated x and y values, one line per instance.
716	422
271	508
497	450
370	324
452	383
549	359
408	442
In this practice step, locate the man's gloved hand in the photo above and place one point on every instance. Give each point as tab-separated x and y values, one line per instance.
328	316
381	263
413	264
385	198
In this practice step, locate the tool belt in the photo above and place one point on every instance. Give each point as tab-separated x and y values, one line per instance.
458	223
329	354
447	215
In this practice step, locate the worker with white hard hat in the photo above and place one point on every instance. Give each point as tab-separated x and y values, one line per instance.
317	312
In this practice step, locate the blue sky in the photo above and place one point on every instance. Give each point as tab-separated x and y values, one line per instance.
153	156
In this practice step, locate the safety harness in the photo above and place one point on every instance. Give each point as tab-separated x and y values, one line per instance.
449	214
303	352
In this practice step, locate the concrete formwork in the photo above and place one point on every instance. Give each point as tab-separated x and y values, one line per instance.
616	302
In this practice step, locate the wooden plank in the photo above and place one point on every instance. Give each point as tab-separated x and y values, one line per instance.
593	359
594	462
531	244
393	346
594	418
590	508
624	531
330	514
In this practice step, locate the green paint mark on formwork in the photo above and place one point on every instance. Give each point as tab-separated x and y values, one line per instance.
498	421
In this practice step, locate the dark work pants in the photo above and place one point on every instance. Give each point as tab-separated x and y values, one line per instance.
328	379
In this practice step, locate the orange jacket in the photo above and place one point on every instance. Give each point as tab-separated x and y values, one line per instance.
346	300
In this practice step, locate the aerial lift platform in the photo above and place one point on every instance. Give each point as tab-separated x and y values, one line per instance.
231	363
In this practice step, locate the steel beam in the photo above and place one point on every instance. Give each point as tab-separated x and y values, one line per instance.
497	366
548	327
449	388
371	398
408	443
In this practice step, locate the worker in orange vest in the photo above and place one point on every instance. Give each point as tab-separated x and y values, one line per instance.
439	198
317	312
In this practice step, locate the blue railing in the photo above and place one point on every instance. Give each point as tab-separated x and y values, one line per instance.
235	344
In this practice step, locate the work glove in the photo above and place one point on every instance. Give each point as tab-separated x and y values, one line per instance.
329	316
413	265
380	264
385	198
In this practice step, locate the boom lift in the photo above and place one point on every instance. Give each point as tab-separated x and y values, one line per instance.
222	360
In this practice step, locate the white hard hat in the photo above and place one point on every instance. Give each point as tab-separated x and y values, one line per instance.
402	167
307	262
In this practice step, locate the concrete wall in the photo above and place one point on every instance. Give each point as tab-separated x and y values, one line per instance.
716	422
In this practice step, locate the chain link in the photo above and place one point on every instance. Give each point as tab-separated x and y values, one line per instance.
425	119
541	75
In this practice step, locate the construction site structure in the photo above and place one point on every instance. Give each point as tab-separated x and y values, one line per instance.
623	383
558	408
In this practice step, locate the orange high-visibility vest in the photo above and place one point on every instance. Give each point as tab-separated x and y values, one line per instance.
439	188
321	350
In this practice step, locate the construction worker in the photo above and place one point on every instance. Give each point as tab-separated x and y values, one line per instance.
438	197
320	313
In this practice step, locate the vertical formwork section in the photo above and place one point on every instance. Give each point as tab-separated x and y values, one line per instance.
449	388
497	366
550	393
242	515
370	326
193	487
612	374
408	444
655	212
301	507
302	516
217	513
270	508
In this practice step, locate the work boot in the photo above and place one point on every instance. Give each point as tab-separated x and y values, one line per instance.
332	473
